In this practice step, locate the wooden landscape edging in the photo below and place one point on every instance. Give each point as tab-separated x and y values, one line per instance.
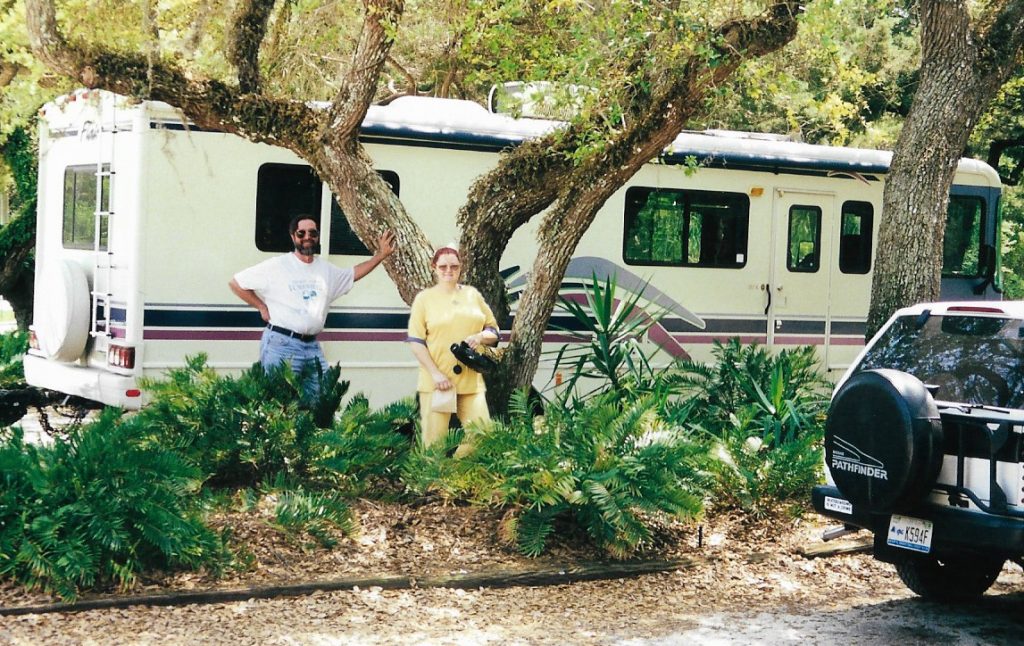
486	579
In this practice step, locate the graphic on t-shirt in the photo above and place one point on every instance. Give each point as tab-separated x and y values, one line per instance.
308	289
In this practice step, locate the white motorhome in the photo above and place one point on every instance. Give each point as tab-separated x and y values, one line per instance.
143	218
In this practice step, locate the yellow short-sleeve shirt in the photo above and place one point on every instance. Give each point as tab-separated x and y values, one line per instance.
439	319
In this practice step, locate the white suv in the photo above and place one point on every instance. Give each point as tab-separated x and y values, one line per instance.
924	445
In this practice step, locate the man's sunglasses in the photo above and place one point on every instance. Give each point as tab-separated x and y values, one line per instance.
302	233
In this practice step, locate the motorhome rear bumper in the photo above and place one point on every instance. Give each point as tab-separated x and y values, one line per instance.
89	383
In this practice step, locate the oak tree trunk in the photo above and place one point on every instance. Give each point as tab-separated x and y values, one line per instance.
963	66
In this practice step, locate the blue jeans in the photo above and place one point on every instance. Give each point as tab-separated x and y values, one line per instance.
276	347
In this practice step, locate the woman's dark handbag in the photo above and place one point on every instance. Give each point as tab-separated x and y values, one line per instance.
480	361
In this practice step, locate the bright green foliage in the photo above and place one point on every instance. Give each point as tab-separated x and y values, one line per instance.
785	390
12	348
755	476
98	507
365	449
763	414
317	513
601	465
846	79
608	348
239	431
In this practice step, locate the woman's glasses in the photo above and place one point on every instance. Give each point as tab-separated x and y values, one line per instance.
302	233
448	267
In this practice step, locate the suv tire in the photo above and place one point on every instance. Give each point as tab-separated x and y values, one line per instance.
949	579
883	440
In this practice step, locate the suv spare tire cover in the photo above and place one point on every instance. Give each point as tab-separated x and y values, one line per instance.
883	439
61	319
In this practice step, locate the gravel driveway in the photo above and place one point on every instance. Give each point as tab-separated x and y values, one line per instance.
738	596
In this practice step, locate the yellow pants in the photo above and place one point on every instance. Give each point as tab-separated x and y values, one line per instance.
471	407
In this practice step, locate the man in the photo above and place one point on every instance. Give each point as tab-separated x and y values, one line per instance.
293	293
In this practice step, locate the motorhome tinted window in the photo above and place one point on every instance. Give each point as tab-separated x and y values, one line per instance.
283	191
685	228
804	249
964	220
79	231
343	239
286	190
855	237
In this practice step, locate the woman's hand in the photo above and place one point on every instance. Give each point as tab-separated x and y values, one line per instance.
481	338
441	382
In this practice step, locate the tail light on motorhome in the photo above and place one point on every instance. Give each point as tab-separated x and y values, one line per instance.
121	356
33	340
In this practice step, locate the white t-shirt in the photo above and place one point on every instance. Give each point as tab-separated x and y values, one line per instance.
297	294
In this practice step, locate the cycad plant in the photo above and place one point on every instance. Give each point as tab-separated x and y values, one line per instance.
786	391
602	465
365	449
762	416
98	507
242	430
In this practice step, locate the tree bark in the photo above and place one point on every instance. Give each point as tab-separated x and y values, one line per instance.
963	65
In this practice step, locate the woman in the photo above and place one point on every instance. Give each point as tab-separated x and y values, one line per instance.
441	315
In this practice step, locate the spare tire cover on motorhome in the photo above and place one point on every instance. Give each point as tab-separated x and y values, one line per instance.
883	439
62	315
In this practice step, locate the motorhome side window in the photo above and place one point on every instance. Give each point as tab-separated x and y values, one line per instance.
685	228
855	234
286	190
803	253
80	206
964	221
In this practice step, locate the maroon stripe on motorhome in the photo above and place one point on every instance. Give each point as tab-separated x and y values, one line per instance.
254	335
838	340
704	339
799	340
202	335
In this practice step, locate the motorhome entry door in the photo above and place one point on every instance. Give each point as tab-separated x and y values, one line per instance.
801	257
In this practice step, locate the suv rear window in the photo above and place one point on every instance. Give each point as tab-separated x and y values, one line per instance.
968	359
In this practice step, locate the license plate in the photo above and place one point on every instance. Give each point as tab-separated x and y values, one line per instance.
909	533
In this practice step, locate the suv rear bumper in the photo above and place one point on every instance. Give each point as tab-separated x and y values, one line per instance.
955	530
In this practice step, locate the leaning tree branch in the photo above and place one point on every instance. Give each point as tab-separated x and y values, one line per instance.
208	102
248	32
360	82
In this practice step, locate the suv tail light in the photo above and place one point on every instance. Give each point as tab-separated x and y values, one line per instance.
120	356
33	340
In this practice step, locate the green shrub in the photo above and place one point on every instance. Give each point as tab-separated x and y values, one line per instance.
365	449
240	431
787	390
318	513
98	507
756	476
13	346
762	415
601	465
